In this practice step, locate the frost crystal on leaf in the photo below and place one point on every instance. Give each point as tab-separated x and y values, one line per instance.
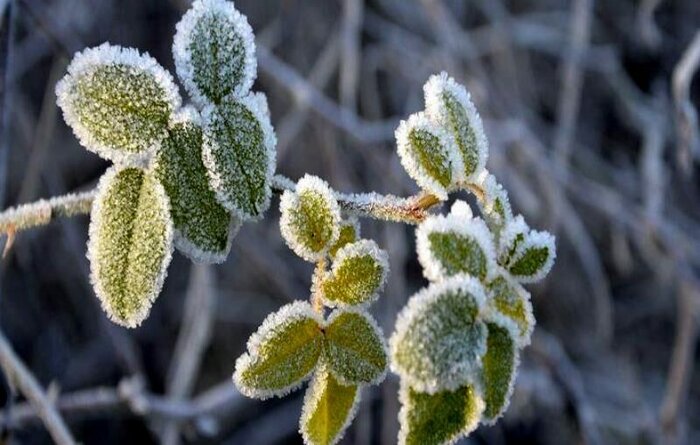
117	101
203	228
440	418
130	243
329	407
282	353
214	51
454	244
448	104
358	275
500	364
495	204
509	298
355	348
533	258
429	155
512	235
239	153
349	232
439	336
310	218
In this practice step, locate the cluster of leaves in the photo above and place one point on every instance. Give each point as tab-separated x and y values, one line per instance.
183	176
345	350
457	342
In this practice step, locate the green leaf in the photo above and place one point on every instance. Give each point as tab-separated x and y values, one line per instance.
510	299
511	237
429	155
329	407
203	228
355	349
449	105
499	367
130	243
214	51
494	204
533	258
439	336
310	218
348	233
440	418
118	102
358	275
282	353
239	153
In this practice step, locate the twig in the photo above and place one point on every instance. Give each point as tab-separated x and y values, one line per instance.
18	375
42	212
686	115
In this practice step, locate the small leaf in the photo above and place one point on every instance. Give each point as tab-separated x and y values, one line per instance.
310	218
329	408
214	51
499	367
455	244
355	349
203	228
440	418
439	336
282	353
117	101
358	275
494	204
429	155
511	237
510	299
239	153
348	233
130	245
533	258
448	104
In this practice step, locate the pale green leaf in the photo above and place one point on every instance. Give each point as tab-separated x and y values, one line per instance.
358	275
499	367
508	298
533	258
130	245
203	228
348	233
282	353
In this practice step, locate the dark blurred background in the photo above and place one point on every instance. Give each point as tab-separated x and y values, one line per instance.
590	110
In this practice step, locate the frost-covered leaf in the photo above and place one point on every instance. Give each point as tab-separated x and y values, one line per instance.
448	104
282	353
130	245
455	244
508	298
203	228
512	235
358	275
439	336
495	205
117	101
533	257
440	418
214	51
429	155
348	233
239	153
355	348
329	408
310	218
500	365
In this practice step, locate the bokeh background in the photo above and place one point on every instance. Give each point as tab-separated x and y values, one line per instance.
590	110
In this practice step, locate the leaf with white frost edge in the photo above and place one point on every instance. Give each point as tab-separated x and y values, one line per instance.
358	275
439	337
507	297
512	235
203	228
130	243
533	258
440	418
429	155
448	104
495	204
500	365
455	244
214	51
348	233
239	153
282	353
118	102
355	349
310	218
329	408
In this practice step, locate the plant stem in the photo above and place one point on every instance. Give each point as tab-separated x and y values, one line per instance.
42	212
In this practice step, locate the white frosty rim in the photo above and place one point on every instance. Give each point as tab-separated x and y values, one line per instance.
536	239
183	37
94	234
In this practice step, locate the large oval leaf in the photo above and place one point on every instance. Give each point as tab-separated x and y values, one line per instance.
117	101
130	243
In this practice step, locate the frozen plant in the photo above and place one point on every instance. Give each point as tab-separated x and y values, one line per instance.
187	177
